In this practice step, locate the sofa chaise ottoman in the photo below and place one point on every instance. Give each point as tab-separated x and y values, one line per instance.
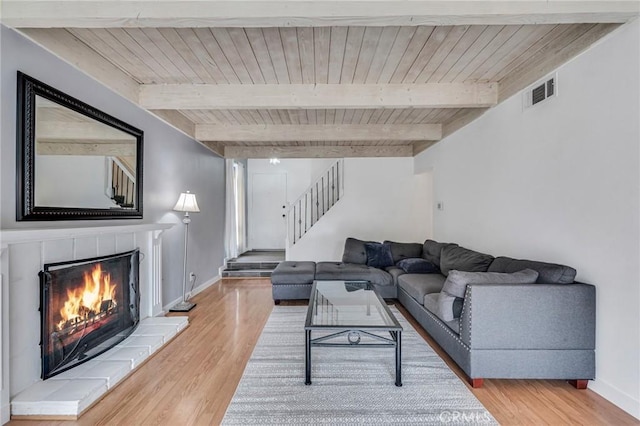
292	280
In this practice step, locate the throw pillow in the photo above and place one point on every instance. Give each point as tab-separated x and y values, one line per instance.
548	273
455	287
417	266
378	255
463	259
456	283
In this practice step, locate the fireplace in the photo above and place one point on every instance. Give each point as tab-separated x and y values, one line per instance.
87	306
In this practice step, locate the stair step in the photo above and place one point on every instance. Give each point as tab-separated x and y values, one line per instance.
251	265
235	273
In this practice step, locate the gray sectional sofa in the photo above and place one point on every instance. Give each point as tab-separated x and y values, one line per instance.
496	317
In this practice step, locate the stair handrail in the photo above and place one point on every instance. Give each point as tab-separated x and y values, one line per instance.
339	162
124	168
338	165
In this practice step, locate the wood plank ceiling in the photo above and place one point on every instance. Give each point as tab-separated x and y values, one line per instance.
324	90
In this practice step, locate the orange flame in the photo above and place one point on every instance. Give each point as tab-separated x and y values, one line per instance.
86	300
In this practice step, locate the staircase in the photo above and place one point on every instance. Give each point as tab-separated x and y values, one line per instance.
254	263
122	184
315	202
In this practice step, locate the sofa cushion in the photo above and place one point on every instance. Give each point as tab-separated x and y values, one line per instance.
431	304
462	259
453	290
431	250
449	307
417	266
417	285
395	272
401	251
456	283
352	271
293	272
548	273
354	251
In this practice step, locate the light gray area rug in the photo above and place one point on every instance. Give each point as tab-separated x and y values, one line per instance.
350	385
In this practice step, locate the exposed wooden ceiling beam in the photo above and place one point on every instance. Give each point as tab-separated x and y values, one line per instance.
317	151
96	147
317	96
216	147
320	132
304	13
76	131
177	120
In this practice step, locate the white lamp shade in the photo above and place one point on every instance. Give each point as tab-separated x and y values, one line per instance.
187	203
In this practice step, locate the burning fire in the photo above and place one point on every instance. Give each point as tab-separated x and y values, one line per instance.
88	300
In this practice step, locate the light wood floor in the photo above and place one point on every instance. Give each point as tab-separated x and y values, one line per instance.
192	380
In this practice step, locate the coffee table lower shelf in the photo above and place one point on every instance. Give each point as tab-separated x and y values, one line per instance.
353	338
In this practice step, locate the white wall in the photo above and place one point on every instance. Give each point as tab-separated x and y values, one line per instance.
173	163
383	200
58	184
560	182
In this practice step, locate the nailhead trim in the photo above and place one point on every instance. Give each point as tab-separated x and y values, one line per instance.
291	285
467	302
444	327
448	330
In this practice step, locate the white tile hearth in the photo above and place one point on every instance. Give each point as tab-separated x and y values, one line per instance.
135	355
113	371
168	331
58	397
153	343
68	394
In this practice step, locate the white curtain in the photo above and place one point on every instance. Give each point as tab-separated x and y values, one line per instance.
235	229
241	196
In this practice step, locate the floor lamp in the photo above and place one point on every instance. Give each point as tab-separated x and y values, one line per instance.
186	203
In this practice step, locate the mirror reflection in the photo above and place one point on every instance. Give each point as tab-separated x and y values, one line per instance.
81	162
74	162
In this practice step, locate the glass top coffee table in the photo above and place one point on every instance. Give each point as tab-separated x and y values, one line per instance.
346	312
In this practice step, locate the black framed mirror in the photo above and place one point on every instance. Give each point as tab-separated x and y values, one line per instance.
74	162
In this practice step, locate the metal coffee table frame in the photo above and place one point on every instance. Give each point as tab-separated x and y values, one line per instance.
353	331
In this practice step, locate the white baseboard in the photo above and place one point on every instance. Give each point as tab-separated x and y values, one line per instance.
617	397
193	292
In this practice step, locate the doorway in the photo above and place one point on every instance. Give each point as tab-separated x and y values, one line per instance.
267	211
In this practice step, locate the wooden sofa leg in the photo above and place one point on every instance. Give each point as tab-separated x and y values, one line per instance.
579	384
476	383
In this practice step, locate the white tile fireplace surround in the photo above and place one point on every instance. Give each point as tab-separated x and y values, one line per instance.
23	255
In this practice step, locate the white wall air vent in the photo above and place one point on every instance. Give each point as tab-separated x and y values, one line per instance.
541	91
